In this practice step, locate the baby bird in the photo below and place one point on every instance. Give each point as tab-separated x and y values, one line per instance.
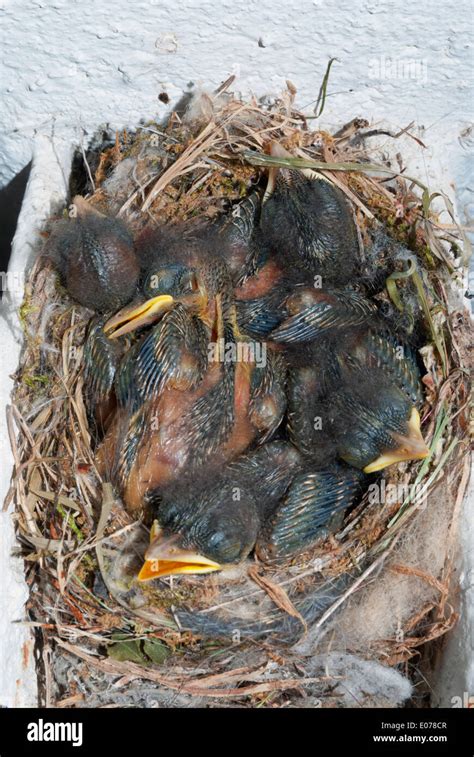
267	500
102	357
95	258
355	396
192	391
311	313
208	523
309	221
311	509
373	423
237	236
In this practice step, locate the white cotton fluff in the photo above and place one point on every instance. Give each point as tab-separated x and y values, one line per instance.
365	683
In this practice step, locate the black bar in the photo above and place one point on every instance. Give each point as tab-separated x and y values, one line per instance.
218	730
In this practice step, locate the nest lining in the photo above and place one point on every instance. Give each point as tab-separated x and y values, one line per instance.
80	546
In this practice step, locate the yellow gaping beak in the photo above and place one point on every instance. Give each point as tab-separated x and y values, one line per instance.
411	447
134	316
164	557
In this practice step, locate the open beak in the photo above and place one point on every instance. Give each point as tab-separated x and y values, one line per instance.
164	557
135	316
411	447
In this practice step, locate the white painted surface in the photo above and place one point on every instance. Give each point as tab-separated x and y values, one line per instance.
69	66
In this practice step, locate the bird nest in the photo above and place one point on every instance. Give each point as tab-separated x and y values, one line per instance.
236	637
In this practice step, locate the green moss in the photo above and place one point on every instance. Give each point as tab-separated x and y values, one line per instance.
428	257
35	381
25	309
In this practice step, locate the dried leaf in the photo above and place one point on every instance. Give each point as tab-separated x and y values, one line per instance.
277	594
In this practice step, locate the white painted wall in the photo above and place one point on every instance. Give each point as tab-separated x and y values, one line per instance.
68	66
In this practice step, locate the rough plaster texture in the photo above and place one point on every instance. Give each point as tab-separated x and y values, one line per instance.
69	66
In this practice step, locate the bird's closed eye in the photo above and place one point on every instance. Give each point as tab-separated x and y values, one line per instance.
164	281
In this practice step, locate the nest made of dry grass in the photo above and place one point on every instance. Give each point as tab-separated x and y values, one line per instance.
71	526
